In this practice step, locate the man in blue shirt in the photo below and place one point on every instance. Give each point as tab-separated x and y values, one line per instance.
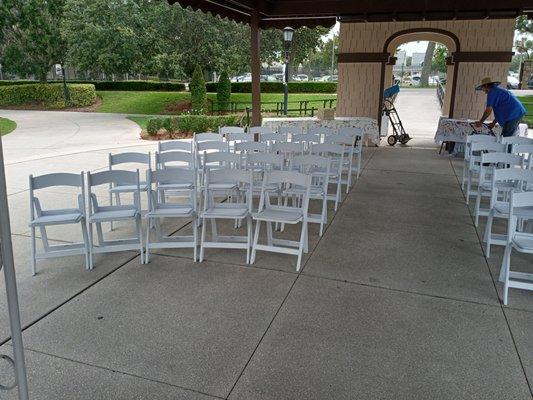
508	111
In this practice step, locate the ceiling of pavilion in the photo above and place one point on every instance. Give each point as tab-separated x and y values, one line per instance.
279	13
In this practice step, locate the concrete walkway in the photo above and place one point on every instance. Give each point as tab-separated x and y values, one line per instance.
396	301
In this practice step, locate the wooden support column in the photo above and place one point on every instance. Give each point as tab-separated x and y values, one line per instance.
255	35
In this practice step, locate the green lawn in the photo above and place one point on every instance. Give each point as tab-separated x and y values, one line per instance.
6	126
527	101
155	102
141	121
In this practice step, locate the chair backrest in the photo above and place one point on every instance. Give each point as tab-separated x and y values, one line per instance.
517	140
289	147
170	176
488	146
272	137
220	159
321	130
207	137
226	130
327	148
513	174
129	158
116	176
305	163
523	149
175	145
476	139
265	161
306	138
174	159
239	137
517	201
502	158
348	140
212	145
247	147
290	130
351	131
260	130
56	179
227	176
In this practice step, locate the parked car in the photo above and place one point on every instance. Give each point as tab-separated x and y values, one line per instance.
300	78
415	80
512	82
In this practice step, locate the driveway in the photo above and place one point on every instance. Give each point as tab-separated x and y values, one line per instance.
41	134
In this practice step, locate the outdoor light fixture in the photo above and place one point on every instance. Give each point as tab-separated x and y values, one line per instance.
288	34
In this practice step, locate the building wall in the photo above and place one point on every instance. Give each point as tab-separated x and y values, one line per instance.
360	83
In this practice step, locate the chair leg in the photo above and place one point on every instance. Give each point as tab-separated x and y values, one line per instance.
147	251
506	265
138	224
202	239
476	208
248	238
91	261
338	195
468	186
33	252
324	219
488	233
195	238
465	168
256	240
270	238
301	249
85	242
306	238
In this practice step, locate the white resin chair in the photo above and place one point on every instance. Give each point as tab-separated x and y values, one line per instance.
158	210
468	151
358	147
306	164
348	140
336	153
237	210
238	138
521	209
41	218
499	205
230	130
175	160
472	173
289	131
136	160
175	145
278	214
99	214
490	162
307	139
260	130
250	147
271	138
207	137
513	141
288	150
525	150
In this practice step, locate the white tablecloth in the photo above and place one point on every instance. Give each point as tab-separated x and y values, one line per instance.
369	126
456	130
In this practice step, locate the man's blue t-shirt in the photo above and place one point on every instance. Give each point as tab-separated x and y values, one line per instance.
505	105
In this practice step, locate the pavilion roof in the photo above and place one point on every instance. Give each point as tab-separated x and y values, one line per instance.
296	13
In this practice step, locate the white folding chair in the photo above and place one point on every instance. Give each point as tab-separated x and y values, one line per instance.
158	209
490	162
207	137
237	138
131	159
306	164
250	147
513	141
175	145
336	153
307	139
321	130
521	210
260	130
230	130
288	150
472	173
176	160
468	151
259	164
348	140
289	131
271	138
525	150
499	201
278	214
99	214
41	218
358	146
237	210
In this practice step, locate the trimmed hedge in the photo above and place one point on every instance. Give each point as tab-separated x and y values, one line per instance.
191	123
48	95
139	86
277	87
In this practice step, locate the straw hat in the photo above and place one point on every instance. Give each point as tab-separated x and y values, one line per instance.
485	81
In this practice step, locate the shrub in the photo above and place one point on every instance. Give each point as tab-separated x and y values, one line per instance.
118	85
153	125
198	91
191	123
277	87
48	95
224	91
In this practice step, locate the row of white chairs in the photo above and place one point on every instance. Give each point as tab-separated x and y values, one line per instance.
502	172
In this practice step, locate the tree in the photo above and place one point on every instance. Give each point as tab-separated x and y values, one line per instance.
439	58
426	67
32	42
224	90
524	25
198	91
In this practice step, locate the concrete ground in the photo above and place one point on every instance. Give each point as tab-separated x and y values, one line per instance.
395	301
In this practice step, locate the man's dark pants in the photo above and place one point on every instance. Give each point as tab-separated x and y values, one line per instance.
510	127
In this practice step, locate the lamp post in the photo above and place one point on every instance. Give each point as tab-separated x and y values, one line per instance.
288	33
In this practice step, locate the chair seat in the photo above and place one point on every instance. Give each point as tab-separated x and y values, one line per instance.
259	184
57	217
322	172
315	190
129	188
171	210
288	215
223	186
229	211
175	186
113	215
523	242
501	186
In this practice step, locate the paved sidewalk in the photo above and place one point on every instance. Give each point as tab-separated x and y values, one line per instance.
396	301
